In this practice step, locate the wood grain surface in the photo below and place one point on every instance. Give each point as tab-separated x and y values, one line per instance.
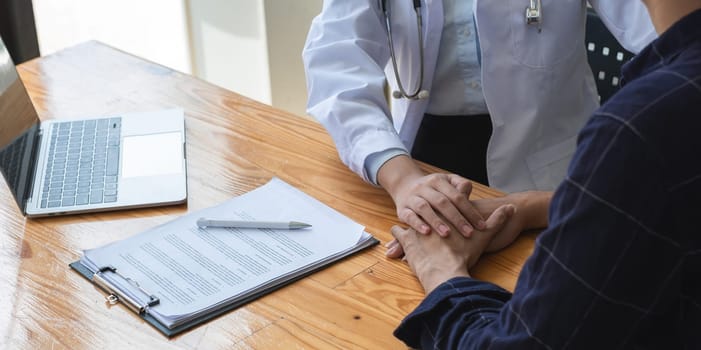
234	144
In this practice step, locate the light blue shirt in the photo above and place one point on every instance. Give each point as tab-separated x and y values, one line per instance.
457	83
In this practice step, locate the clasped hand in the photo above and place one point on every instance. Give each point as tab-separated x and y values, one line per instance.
429	202
435	259
437	202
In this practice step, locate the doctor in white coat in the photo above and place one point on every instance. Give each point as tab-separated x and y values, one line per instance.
536	82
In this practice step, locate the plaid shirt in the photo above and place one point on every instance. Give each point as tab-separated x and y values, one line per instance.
620	263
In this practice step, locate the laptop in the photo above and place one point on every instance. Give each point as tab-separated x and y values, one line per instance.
57	167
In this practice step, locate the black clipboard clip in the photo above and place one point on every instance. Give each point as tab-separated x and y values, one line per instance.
114	296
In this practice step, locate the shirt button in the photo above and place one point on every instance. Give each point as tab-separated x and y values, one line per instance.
466	32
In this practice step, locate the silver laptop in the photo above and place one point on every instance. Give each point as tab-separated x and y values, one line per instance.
58	167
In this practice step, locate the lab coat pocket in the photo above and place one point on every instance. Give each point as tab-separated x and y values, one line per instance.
548	166
559	34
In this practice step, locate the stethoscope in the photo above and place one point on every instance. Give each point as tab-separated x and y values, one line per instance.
419	92
534	16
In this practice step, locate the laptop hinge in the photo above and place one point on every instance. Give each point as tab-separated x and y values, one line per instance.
36	148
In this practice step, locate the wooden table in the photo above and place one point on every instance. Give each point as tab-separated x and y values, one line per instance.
234	144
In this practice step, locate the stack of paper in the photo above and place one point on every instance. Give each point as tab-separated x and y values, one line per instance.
197	273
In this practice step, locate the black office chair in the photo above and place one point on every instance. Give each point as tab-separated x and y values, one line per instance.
605	55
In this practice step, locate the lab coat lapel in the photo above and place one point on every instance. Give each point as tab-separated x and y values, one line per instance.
408	114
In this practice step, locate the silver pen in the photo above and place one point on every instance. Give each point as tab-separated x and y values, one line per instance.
280	225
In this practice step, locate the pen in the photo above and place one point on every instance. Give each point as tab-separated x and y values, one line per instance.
281	225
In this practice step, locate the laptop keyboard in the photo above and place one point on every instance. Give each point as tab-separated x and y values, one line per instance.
83	163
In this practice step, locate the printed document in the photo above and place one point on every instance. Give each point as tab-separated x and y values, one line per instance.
193	270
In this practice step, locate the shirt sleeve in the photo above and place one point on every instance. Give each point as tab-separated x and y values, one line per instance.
376	160
344	57
600	268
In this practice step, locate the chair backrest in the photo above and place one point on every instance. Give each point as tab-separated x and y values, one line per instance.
605	55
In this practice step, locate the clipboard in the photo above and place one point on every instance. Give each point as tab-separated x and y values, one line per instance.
115	295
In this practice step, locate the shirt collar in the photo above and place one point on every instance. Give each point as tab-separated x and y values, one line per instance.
665	48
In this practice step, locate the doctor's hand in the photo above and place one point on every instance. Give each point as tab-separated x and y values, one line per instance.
435	259
429	201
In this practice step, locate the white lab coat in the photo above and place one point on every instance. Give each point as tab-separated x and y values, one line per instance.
538	86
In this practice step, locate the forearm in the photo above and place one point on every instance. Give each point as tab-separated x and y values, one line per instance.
534	205
347	96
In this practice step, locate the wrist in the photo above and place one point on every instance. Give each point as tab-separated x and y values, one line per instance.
532	208
396	171
434	280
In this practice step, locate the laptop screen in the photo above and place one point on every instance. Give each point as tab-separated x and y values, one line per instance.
19	124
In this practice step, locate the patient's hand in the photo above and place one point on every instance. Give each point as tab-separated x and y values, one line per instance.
435	259
531	213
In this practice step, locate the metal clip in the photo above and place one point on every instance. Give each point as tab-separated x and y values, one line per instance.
534	15
114	295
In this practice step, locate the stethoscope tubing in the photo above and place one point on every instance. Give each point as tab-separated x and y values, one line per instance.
533	17
386	9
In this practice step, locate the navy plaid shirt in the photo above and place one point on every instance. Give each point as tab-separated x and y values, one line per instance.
620	263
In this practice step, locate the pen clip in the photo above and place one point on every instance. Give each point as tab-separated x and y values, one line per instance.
114	295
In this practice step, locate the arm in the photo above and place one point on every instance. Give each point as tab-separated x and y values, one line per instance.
344	57
591	278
